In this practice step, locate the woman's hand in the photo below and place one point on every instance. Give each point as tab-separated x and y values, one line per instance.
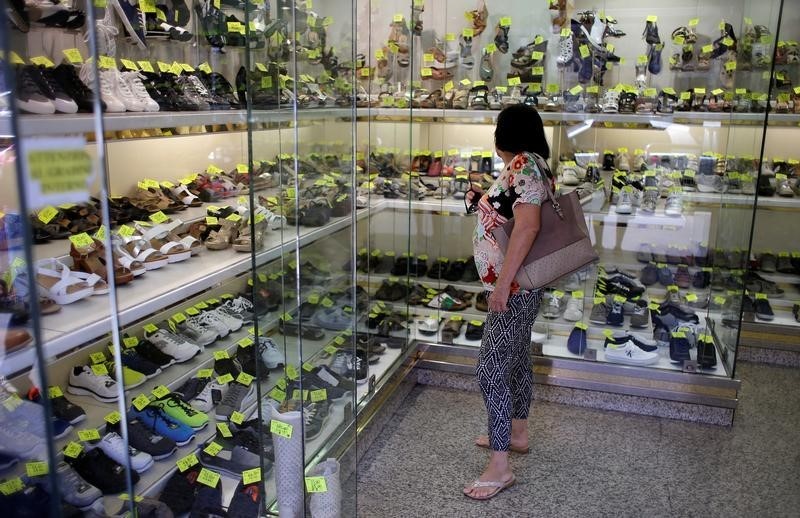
474	190
498	299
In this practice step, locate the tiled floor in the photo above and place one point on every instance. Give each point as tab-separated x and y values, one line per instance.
587	462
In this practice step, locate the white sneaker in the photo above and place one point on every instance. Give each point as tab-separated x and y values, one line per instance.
210	321
113	446
574	311
134	82
113	104
198	333
674	205
173	345
270	354
84	382
569	176
625	200
629	354
232	322
122	92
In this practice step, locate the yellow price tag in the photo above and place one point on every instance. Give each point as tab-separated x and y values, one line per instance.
280	428
316	485
36	469
89	435
73	56
251	476
208	477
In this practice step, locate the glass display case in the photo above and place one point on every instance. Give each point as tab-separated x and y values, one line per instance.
279	187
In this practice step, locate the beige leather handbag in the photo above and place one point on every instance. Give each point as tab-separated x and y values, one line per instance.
562	245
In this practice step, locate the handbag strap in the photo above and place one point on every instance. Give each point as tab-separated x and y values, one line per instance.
544	169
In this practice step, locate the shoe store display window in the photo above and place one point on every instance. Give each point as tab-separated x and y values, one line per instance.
277	189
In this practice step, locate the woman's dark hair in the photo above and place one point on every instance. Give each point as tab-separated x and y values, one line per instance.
519	128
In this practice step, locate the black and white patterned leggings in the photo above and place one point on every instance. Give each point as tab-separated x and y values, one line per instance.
504	365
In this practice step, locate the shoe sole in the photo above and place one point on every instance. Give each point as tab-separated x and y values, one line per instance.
163	455
83	391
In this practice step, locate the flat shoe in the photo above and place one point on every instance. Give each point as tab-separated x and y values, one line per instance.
498	487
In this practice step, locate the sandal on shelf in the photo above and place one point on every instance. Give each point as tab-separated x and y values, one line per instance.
91	260
245	242
158	237
61	285
141	250
186	197
222	238
123	258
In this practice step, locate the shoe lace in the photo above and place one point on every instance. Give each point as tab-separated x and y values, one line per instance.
234	394
169	338
202	320
309	413
106	34
158	415
175	402
240	305
198	85
122	84
189	88
134	82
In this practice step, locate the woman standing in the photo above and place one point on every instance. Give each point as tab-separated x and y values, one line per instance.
504	365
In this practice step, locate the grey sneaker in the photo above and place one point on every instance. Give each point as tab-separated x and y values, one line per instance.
674	205
230	460
238	398
649	200
709	183
74	490
193	330
640	315
192	92
598	313
552	306
20	443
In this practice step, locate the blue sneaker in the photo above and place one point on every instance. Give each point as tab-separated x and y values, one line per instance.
665	277
576	343
615	316
160	423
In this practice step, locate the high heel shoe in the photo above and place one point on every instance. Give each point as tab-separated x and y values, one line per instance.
91	259
246	242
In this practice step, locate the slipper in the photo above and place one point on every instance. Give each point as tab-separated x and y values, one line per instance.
498	487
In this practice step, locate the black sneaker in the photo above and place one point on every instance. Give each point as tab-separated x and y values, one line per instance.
679	349
247	436
192	388
98	469
247	357
152	353
29	97
133	360
62	407
48	84
225	366
141	438
208	501
706	353
67	77
179	491
246	501
763	310
474	331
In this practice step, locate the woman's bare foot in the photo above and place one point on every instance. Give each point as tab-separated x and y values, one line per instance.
498	470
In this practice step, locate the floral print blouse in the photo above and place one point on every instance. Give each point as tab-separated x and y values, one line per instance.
520	182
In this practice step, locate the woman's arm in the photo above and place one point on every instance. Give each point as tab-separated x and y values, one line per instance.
526	227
